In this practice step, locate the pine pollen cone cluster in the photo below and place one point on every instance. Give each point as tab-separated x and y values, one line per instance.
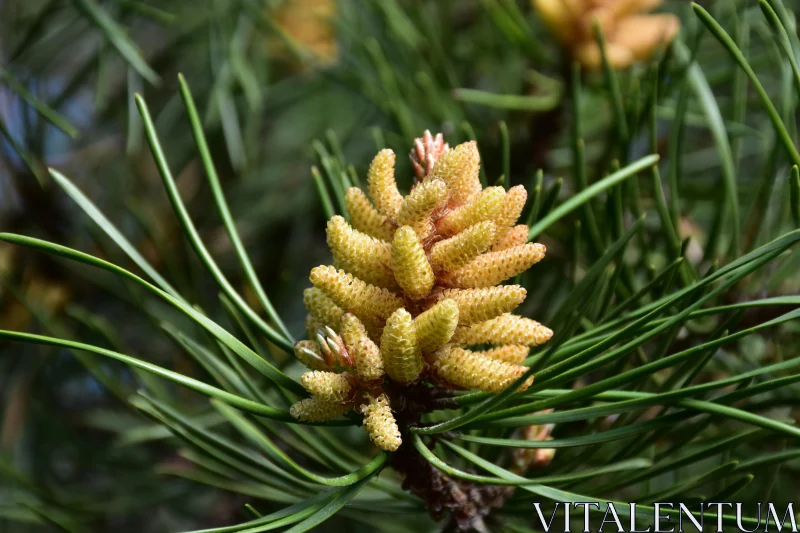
631	33
415	290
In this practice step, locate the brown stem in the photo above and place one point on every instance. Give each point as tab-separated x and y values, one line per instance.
463	505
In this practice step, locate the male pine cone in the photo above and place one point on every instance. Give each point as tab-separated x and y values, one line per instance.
415	282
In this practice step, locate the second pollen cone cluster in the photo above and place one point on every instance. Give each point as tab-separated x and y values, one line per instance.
631	33
415	281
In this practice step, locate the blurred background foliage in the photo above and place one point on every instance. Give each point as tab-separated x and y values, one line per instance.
284	85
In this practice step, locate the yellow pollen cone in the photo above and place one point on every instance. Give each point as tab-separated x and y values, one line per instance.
455	252
364	217
483	206
367	302
381	424
479	305
322	308
327	385
411	268
382	185
473	370
510	353
510	210
317	410
365	257
492	268
517	236
435	326
417	207
365	353
505	329
459	168
402	358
